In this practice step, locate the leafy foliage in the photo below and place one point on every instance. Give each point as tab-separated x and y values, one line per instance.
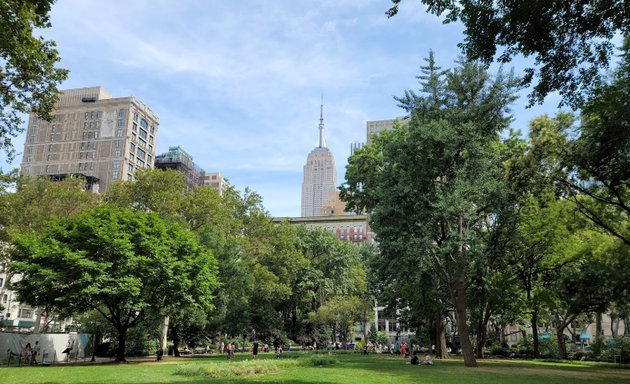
28	76
570	41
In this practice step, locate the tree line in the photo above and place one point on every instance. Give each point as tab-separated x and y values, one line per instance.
213	266
475	220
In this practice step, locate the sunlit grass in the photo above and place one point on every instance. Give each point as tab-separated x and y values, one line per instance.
307	368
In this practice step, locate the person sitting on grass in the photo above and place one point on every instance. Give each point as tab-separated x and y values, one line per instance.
414	359
427	360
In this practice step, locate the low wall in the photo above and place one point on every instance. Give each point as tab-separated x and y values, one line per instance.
50	347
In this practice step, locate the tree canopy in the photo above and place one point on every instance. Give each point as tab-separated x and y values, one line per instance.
570	41
126	265
28	76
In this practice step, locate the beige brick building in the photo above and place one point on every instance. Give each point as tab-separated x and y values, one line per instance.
93	134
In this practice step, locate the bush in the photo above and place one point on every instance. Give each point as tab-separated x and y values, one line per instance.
617	350
497	349
322	360
227	369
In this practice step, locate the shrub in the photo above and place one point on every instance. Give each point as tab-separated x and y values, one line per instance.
617	350
322	360
497	349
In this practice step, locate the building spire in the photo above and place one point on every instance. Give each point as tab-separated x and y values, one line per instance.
322	141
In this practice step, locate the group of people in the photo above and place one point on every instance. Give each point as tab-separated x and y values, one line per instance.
31	352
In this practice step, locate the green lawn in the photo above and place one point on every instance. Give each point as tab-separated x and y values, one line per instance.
347	368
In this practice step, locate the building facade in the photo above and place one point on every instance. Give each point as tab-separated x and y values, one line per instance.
93	135
179	160
353	228
376	126
320	176
215	180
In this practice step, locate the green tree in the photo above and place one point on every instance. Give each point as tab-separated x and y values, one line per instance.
430	185
28	76
570	41
127	266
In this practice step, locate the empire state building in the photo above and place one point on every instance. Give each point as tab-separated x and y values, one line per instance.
320	176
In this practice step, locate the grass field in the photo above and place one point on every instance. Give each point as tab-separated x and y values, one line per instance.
304	368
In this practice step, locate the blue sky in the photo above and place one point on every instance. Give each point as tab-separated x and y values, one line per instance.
238	83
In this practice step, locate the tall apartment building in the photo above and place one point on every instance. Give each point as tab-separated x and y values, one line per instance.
320	176
215	180
179	160
94	135
376	126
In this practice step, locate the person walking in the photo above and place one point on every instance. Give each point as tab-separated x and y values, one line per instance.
255	350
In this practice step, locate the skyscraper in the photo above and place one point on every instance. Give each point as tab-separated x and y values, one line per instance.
93	135
320	175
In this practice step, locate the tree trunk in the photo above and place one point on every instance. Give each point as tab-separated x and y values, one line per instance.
441	337
122	345
164	334
598	341
482	333
38	320
614	326
535	333
562	346
175	335
462	325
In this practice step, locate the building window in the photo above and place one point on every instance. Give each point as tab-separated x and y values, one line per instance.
32	139
151	139
48	158
91	166
118	143
50	147
130	168
143	123
116	164
5	298
133	137
141	153
119	133
121	113
149	159
98	114
132	146
82	145
152	130
92	115
135	116
142	143
94	155
80	155
132	156
80	166
120	123
1	282
151	148
87	115
143	133
25	313
117	153
27	170
115	175
134	127
47	168
140	163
